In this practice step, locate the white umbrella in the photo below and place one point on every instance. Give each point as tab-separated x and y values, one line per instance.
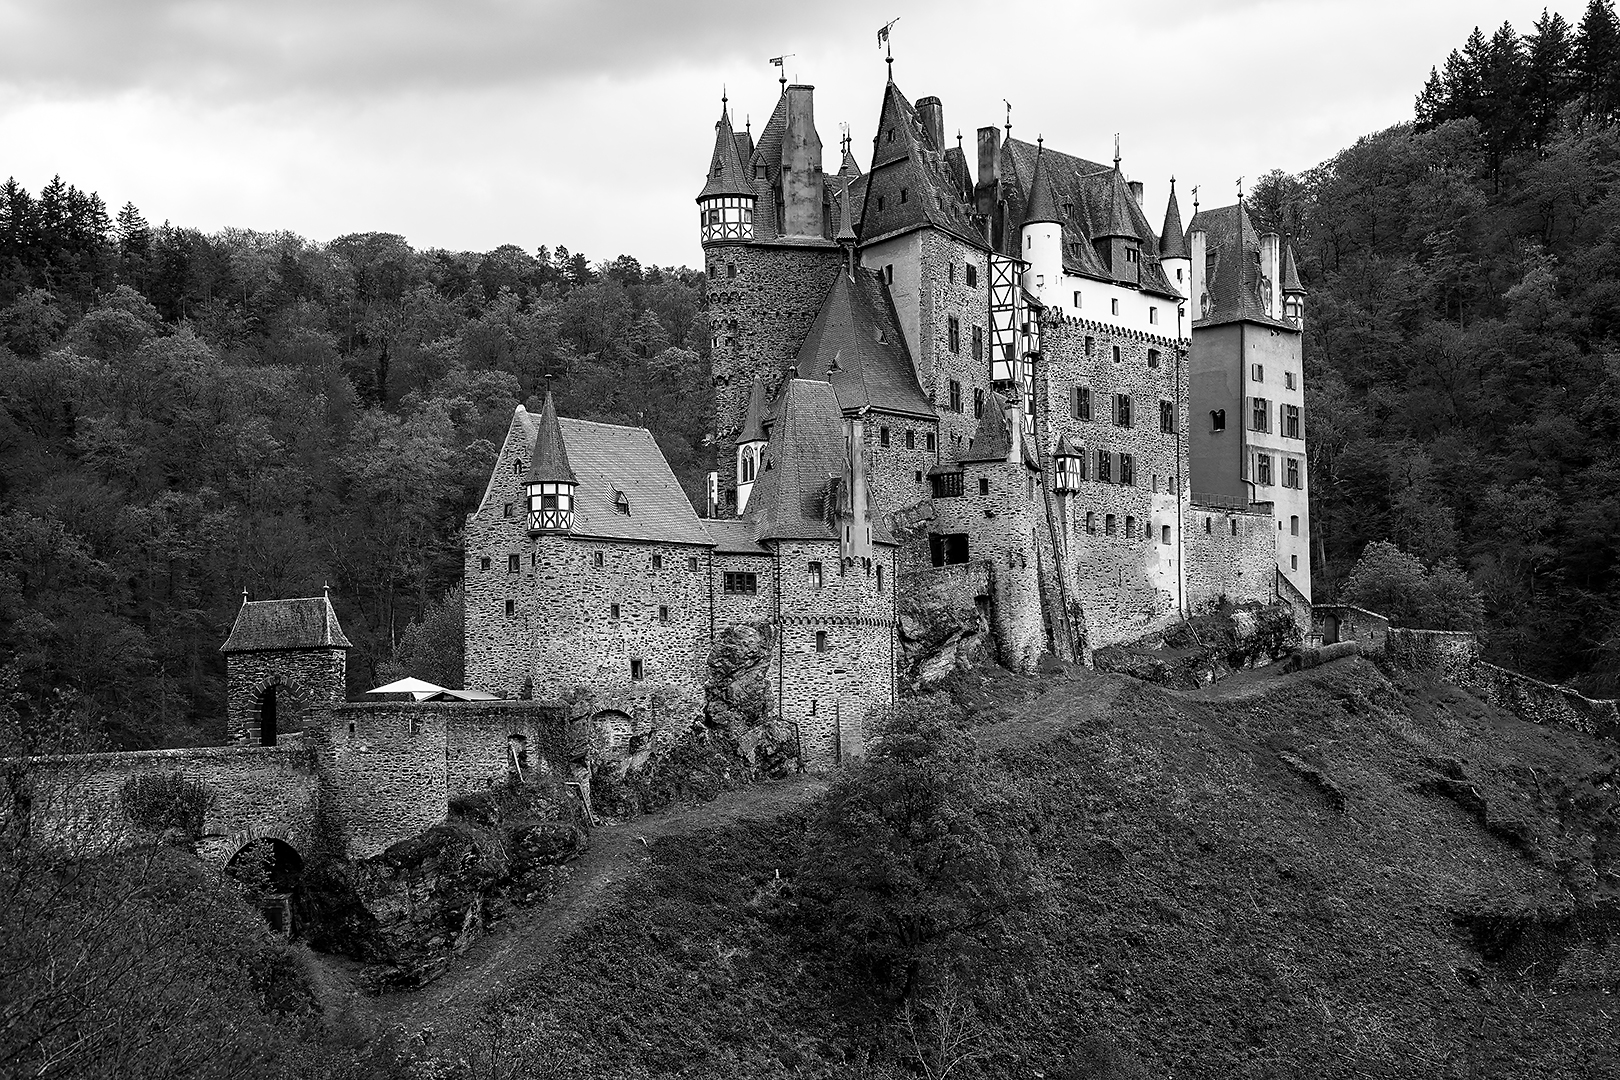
417	688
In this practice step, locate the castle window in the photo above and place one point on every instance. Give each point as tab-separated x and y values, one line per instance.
739	584
947	485
903	194
880	577
919	476
613	611
597	558
984	485
511	564
1217	419
911	440
889	135
1132	254
978	404
953	331
517	468
1116	354
1077	299
1262	468
1257	372
1127	470
731	270
692	563
815	575
1164	534
1130	526
978	343
1208	527
1110	525
657	561
511	607
1291	421
506	511
1122	410
821	641
416	724
956	396
1291	475
933	441
1080	403
636	669
1091	522
950	273
880	202
1114	306
1105	469
883	436
483	564
1260	420
1153	358
1233	522
712	274
663	613
1288	379
621	503
1091	345
1167	417
1293	562
1293	524
972	276
947	549
1153	317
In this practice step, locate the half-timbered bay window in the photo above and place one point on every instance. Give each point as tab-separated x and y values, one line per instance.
727	217
551	507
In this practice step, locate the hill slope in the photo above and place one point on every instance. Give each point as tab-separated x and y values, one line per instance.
1318	875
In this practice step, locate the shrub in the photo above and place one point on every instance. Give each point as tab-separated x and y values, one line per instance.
158	802
1395	584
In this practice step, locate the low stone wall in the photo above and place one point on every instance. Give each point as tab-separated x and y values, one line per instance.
1543	703
1332	623
74	801
1449	653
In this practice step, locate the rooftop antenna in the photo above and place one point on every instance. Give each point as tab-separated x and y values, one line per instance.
781	64
888	50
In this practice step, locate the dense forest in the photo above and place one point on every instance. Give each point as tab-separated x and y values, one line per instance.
184	416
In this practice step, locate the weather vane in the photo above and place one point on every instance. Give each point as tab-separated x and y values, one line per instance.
1240	188
883	43
1007	103
781	62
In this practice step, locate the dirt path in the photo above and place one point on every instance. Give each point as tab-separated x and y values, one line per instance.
527	937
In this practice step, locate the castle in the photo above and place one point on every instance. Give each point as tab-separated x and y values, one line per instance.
932	391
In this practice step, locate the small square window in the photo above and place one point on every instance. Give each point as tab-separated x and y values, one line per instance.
636	670
657	561
597	558
663	613
984	485
692	563
972	276
821	641
483	564
613	611
911	440
511	607
512	564
883	436
506	511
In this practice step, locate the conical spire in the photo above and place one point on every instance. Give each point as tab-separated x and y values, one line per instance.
549	464
993	441
1042	205
753	429
727	173
1290	273
1119	209
1172	242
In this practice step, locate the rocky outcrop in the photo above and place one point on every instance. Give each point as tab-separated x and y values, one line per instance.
738	695
941	631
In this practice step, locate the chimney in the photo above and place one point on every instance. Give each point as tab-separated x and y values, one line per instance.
988	190
1136	191
933	121
1271	267
1195	294
801	166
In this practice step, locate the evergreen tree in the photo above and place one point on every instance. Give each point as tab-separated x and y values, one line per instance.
1549	75
1501	95
1597	59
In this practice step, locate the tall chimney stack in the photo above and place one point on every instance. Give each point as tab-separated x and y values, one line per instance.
987	192
1137	191
801	166
1271	267
932	113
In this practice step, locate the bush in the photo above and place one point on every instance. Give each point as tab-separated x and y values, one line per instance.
1395	584
158	802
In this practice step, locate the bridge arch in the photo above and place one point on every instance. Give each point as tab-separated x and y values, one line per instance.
270	867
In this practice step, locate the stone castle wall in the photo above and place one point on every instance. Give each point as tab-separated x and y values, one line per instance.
732	608
73	801
1240	567
384	772
897	474
946	295
307	680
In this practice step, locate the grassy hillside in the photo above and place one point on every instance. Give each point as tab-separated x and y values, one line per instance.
1323	875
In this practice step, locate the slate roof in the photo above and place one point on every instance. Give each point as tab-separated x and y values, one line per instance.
548	459
305	623
856	345
753	429
993	440
956	166
1093	202
735	536
610	458
1290	272
1042	205
789	499
910	164
728	172
1231	269
1172	240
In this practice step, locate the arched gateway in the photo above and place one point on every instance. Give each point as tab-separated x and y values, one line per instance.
283	656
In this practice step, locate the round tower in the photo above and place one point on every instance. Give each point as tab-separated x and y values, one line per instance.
1174	258
726	203
1043	239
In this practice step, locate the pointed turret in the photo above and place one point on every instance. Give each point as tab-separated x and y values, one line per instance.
1293	290
751	444
994	440
1042	204
726	203
550	480
1043	237
1174	258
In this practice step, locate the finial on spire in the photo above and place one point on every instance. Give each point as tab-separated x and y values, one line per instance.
1195	199
1240	188
723	98
326	591
1116	151
1040	145
1007	103
959	138
888	49
244	596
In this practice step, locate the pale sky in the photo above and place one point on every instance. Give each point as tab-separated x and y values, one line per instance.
588	123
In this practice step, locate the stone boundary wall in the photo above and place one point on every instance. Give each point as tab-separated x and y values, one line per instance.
1346	622
73	800
1543	703
1449	653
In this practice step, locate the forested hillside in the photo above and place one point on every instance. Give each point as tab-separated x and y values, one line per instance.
1463	338
185	416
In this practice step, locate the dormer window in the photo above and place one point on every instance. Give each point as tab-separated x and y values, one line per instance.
621	503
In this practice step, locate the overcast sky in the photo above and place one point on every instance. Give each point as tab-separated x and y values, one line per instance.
588	123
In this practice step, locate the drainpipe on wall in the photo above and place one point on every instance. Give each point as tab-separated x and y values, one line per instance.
1182	348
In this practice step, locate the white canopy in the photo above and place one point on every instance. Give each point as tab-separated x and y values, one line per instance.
417	688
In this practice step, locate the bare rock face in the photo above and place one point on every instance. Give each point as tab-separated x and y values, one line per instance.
739	698
941	634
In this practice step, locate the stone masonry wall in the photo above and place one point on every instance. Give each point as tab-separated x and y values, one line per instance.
828	696
946	295
1127	582
74	800
730	608
897	474
1542	703
758	318
478	737
384	771
1241	566
312	678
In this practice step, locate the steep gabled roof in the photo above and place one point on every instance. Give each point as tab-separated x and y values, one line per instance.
1118	220
266	625
956	166
910	186
1290	273
1172	241
1042	204
1231	269
610	459
753	429
548	460
728	170
856	345
789	500
993	441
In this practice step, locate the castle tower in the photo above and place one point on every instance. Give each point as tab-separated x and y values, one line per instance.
282	658
1043	239
1173	257
766	225
550	481
1293	291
